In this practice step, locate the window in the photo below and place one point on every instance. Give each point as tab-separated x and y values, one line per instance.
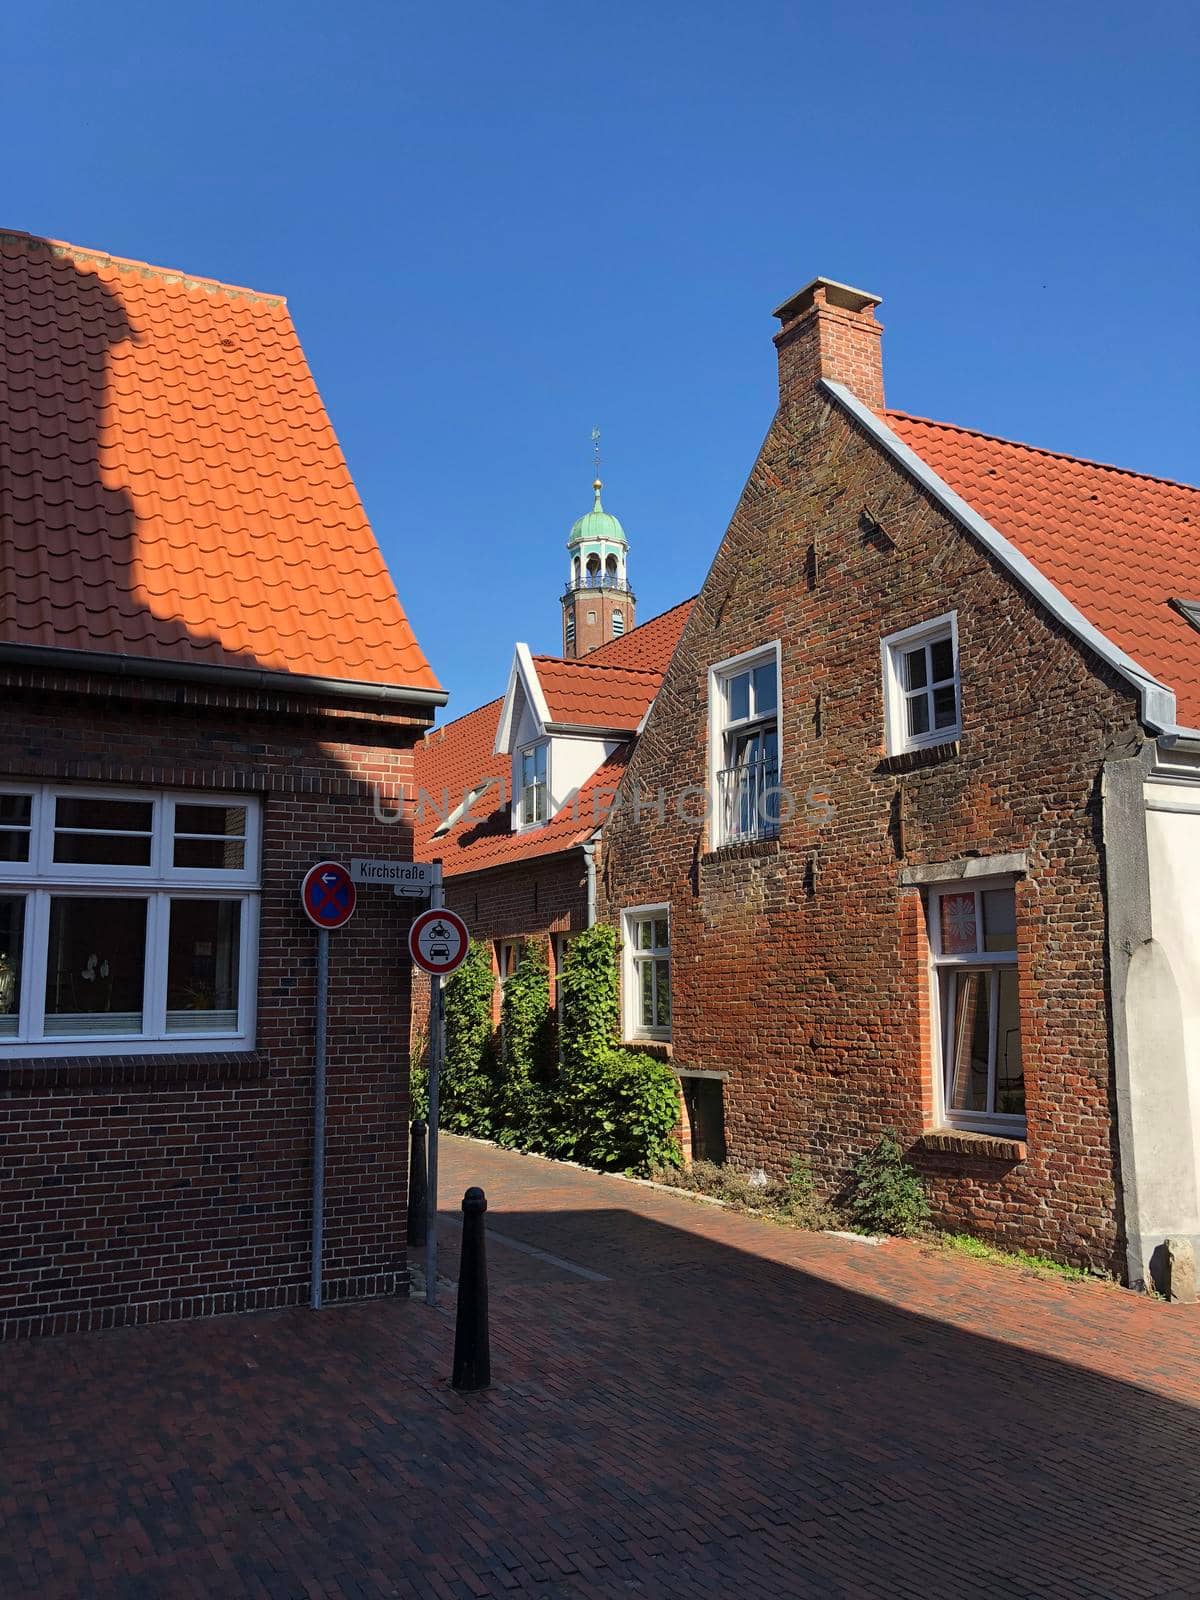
508	959
973	934
533	785
744	708
921	687
127	921
571	626
618	623
648	973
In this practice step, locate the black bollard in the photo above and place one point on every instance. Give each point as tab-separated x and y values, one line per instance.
418	1184
472	1354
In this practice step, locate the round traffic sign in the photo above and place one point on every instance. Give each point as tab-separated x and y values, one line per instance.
328	894
437	941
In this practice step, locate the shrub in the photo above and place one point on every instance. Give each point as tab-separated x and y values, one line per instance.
887	1195
625	1108
418	1076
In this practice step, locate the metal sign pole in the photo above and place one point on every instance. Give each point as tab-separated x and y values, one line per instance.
437	1038
318	1210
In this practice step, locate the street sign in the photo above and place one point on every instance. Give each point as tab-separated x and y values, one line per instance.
413	878
328	895
437	941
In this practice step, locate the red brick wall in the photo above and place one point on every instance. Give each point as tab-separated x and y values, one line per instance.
136	1188
799	966
598	604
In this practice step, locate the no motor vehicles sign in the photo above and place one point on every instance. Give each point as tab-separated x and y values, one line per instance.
437	941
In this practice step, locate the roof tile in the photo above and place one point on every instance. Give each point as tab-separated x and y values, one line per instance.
172	486
1119	545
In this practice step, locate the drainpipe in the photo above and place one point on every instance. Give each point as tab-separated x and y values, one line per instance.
589	857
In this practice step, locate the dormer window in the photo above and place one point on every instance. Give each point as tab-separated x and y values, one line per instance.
533	785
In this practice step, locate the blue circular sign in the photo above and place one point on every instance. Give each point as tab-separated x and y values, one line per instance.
328	894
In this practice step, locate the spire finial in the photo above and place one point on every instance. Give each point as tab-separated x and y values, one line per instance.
596	456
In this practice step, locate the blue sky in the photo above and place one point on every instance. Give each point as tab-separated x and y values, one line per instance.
499	225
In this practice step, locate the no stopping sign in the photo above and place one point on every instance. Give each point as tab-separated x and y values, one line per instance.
437	941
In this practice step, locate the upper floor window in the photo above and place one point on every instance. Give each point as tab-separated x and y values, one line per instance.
647	983
571	626
973	935
127	921
744	701
921	686
618	623
533	785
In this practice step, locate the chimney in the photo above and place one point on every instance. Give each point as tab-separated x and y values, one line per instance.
828	330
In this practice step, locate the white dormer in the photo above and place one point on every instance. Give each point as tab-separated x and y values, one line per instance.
551	758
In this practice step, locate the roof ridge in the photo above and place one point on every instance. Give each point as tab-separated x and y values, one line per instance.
1040	450
78	252
431	734
602	666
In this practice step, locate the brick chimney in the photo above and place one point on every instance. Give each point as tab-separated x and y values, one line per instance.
828	330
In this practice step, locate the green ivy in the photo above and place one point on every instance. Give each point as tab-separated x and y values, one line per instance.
619	1108
528	1049
467	1092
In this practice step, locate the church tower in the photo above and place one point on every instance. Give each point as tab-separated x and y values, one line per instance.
597	602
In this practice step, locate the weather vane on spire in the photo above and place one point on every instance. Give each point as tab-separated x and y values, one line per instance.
596	449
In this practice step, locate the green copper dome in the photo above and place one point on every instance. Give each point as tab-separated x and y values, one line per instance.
597	524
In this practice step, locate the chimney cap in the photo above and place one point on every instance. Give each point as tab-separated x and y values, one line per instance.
836	294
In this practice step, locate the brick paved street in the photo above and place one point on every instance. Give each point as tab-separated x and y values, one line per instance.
721	1407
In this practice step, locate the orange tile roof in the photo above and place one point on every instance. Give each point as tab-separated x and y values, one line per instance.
593	694
173	488
452	759
1119	545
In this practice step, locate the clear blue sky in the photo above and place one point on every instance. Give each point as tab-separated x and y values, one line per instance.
499	224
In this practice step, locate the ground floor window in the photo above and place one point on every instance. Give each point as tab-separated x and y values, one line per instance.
127	920
704	1107
647	976
973	934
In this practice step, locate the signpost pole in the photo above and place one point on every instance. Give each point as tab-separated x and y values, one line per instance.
318	1211
437	1040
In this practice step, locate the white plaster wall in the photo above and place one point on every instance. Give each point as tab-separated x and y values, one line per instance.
1164	1017
573	760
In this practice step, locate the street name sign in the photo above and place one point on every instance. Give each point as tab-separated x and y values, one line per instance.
414	878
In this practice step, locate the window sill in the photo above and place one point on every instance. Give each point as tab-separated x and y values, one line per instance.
742	850
26	1074
976	1146
926	755
660	1049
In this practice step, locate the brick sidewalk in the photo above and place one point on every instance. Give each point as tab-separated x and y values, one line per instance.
735	1409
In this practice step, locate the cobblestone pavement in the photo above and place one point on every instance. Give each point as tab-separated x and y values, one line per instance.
686	1403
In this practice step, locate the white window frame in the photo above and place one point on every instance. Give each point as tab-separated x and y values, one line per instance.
720	674
1002	1124
632	957
542	747
41	879
898	740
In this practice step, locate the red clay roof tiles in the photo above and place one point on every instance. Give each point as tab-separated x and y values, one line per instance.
451	760
593	694
1119	545
172	487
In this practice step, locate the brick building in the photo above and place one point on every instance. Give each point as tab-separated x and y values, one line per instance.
920	809
512	797
205	670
